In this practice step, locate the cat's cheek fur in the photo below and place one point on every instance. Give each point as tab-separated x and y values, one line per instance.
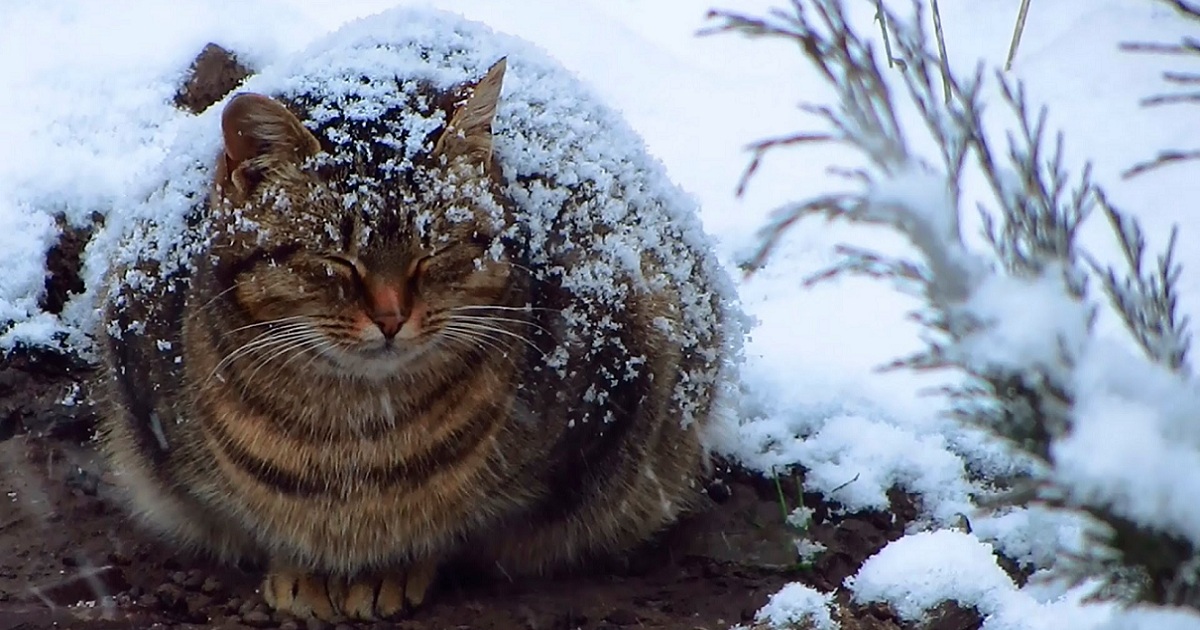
360	323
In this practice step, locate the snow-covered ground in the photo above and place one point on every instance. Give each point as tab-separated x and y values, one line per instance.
86	113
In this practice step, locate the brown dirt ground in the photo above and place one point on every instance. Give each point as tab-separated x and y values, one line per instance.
70	558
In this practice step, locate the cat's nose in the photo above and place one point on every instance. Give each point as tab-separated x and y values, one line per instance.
389	323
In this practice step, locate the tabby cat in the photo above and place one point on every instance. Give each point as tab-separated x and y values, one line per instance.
364	373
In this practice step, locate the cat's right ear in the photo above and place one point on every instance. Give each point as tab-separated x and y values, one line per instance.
468	134
260	136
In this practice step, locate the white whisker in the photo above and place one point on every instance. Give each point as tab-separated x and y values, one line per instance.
270	322
316	349
486	318
262	341
218	296
472	339
299	346
488	330
497	307
320	350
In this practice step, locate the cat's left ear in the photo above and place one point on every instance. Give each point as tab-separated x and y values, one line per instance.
469	133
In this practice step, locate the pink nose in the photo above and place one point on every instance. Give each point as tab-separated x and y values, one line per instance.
389	323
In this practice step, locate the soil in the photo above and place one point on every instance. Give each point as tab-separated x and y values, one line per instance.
71	558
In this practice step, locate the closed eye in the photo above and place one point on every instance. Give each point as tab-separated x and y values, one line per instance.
348	264
417	271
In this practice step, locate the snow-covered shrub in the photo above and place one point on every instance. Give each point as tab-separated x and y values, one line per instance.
1111	426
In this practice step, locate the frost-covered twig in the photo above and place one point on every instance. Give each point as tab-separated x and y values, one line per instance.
1147	300
1018	319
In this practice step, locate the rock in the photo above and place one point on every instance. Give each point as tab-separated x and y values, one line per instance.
214	73
211	585
257	619
171	597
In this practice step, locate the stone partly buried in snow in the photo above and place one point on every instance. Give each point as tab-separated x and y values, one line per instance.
214	73
518	340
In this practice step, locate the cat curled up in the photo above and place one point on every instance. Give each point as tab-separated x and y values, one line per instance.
367	372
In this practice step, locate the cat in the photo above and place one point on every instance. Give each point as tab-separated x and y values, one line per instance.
366	372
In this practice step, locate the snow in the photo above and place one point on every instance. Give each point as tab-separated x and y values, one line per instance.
916	573
854	460
795	604
1138	476
920	571
88	128
1032	536
1017	335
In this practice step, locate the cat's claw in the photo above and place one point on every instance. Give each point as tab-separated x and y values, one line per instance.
363	598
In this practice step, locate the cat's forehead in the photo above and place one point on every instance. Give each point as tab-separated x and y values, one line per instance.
382	217
372	187
383	131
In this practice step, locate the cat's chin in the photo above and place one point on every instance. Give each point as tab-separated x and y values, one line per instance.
373	362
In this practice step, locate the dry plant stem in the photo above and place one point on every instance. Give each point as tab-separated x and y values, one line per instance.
1182	78
871	264
1188	47
1164	158
831	206
1016	38
1186	8
1170	99
846	63
881	17
941	41
760	149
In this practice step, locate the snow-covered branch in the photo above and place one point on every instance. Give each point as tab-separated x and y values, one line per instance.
1114	434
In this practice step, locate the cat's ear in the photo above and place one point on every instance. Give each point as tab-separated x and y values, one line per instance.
260	135
469	132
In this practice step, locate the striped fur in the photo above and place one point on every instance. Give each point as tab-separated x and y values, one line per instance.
253	410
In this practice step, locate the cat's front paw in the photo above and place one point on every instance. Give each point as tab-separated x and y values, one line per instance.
300	594
363	598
